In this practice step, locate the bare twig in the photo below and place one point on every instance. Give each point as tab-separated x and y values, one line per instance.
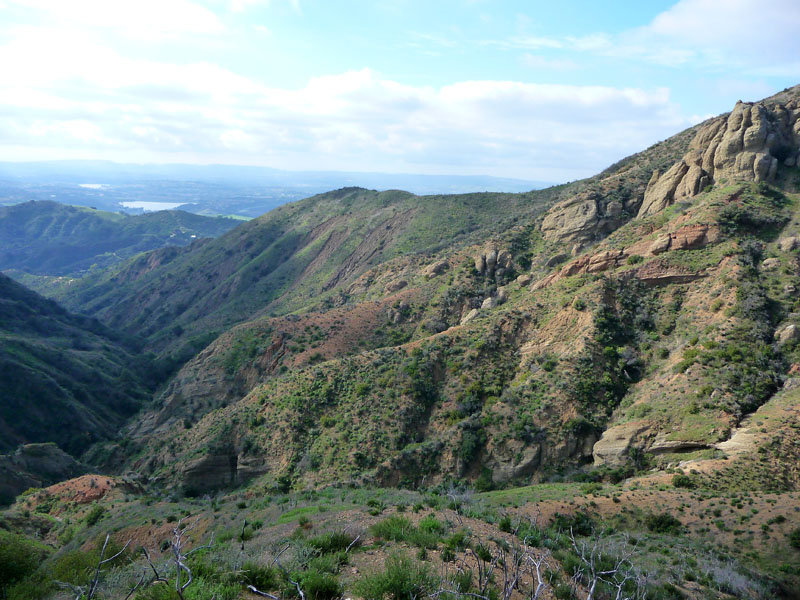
351	544
260	593
136	587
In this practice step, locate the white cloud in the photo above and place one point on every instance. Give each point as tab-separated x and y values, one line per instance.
754	34
94	102
758	36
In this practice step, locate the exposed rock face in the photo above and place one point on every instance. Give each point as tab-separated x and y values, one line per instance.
747	144
613	447
655	273
492	261
221	470
395	286
689	237
686	238
580	219
771	264
789	243
787	333
437	268
469	316
596	263
516	461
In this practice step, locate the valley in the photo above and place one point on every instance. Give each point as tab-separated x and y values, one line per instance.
586	391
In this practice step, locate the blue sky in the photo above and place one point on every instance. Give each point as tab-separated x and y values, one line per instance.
534	90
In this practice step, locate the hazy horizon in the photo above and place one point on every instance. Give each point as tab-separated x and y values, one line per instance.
396	86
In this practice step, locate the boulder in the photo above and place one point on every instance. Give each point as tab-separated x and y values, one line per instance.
437	268
489	303
661	245
394	286
770	264
788	243
572	220
492	260
524	280
470	316
787	333
556	260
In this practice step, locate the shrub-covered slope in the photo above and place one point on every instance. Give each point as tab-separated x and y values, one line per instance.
512	360
64	378
50	238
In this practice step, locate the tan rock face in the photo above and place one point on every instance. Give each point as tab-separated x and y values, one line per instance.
745	145
581	219
469	316
492	260
395	286
437	268
787	333
613	447
789	243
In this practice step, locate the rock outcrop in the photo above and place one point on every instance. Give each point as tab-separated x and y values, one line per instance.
581	218
436	268
685	238
614	446
748	144
492	261
221	470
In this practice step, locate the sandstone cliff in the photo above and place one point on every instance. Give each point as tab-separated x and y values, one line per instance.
748	144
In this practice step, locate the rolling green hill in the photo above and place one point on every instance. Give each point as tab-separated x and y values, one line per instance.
54	239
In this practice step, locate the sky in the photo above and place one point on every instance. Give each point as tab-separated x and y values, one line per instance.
545	91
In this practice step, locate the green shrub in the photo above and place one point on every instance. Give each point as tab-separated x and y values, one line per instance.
794	538
315	586
395	529
329	563
330	542
580	523
19	557
663	523
684	481
402	579
94	515
431	524
259	576
158	591
28	589
504	524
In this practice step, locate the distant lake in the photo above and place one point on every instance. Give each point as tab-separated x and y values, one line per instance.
152	206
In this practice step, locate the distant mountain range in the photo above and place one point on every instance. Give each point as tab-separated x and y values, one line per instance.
212	189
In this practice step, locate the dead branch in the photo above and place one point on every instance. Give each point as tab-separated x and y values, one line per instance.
262	594
101	562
